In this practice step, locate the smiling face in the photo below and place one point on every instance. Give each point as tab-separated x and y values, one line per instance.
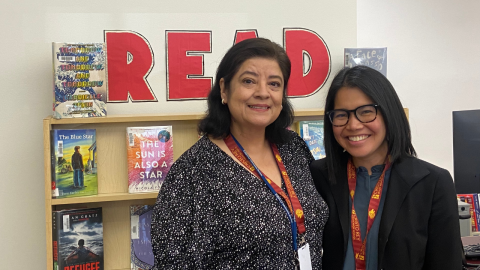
365	142
254	96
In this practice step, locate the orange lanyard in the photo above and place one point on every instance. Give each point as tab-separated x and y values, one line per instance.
291	200
359	247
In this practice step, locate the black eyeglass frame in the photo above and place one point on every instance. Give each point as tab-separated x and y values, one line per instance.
329	113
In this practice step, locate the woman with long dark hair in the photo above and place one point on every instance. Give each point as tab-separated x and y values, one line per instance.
388	209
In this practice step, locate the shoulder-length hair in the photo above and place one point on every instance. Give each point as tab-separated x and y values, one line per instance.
218	119
377	87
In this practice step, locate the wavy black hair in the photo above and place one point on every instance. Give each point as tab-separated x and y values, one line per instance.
218	119
379	89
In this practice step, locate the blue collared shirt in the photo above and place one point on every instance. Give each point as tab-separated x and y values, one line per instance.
363	191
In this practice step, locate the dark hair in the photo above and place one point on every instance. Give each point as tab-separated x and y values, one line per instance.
81	242
377	87
218	118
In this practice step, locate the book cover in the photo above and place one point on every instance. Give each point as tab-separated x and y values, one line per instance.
312	134
141	245
80	88
375	58
74	163
77	239
476	202
468	198
149	156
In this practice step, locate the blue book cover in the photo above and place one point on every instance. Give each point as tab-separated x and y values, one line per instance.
74	163
77	239
141	245
312	134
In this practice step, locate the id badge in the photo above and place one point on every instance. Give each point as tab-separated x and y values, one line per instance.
304	257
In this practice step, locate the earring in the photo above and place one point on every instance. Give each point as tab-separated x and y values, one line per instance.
344	150
223	102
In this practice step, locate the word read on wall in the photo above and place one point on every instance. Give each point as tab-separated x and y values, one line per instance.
131	59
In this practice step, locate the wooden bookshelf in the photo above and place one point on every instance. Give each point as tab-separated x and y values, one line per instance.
113	194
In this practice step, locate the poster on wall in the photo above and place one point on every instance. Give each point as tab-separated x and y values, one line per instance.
375	58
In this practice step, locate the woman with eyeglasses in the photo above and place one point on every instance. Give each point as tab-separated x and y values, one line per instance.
388	209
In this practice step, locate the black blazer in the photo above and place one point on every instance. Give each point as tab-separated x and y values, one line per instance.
420	223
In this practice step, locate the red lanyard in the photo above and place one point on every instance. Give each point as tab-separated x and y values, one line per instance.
292	199
359	247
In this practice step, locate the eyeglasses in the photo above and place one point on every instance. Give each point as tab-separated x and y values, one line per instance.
364	114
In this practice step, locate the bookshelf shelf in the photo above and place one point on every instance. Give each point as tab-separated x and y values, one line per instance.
105	198
113	194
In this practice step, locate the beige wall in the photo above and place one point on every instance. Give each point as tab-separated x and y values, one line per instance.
28	27
432	63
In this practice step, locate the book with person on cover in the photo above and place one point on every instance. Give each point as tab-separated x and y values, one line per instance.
312	134
141	244
375	58
149	157
74	163
80	88
77	239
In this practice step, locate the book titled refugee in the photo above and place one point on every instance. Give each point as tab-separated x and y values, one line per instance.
79	80
375	58
312	134
149	156
77	239
141	244
74	163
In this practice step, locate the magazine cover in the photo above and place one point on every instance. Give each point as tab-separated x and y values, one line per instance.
77	239
375	58
149	156
74	163
312	134
141	245
80	88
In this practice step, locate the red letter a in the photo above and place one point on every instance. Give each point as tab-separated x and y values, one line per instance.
310	61
241	35
130	60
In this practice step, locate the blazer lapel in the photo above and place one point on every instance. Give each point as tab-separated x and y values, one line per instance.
340	195
404	175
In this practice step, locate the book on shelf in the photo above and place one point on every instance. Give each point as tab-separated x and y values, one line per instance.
149	157
476	203
80	88
312	134
375	58
74	163
77	239
141	245
468	198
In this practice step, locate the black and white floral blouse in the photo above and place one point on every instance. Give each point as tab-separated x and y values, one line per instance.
211	213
